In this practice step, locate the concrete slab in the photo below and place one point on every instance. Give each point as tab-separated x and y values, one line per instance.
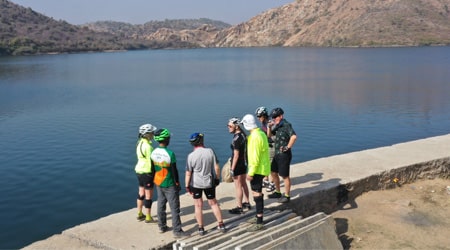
319	185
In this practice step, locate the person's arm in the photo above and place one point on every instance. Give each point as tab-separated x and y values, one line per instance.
175	173
217	169
187	180
292	140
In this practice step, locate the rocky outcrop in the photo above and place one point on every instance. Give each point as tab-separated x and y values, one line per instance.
344	23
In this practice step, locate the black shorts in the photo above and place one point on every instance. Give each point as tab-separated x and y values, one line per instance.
281	163
145	180
240	169
256	183
209	192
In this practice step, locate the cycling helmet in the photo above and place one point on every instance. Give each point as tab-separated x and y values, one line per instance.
196	139
249	122
261	111
146	128
235	121
276	112
162	135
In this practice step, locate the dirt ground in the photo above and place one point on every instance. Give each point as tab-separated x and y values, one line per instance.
411	216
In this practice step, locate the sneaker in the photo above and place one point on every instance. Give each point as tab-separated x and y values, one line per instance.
201	231
181	234
149	219
274	195
163	229
270	187
256	227
221	227
236	210
140	217
265	183
284	199
246	205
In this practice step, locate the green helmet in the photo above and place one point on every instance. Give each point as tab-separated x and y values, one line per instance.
161	134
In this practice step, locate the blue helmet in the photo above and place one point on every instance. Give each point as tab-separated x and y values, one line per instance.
196	139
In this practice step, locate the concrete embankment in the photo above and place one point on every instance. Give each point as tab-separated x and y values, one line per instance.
321	185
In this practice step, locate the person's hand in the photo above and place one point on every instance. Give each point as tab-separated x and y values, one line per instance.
188	190
216	182
178	187
270	123
249	178
232	172
285	149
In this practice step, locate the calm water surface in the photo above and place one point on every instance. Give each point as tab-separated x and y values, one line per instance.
68	123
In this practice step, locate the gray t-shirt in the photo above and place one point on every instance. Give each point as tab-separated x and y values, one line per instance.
201	163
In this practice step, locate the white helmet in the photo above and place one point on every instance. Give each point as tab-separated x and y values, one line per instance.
249	122
146	128
234	121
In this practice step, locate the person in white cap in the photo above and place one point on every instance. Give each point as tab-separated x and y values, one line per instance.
258	166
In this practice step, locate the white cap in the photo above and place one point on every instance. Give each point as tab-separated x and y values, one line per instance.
249	122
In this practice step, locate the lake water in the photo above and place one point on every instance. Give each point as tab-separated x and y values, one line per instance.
68	123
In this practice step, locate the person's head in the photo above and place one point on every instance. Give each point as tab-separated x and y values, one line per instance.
196	139
249	122
146	131
277	115
162	136
262	113
233	125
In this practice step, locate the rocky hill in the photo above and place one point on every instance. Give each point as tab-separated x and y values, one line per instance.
24	31
197	32
330	23
345	23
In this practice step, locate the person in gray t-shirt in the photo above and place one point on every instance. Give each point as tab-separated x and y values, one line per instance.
202	176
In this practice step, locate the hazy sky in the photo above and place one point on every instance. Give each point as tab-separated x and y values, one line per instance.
141	11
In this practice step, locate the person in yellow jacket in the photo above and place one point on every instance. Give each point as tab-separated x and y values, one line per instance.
258	166
144	172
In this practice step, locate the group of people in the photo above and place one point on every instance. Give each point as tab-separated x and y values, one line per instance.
265	152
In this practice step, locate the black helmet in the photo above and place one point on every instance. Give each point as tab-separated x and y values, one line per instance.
261	111
276	112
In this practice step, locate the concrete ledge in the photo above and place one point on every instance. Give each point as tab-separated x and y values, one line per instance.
314	232
322	185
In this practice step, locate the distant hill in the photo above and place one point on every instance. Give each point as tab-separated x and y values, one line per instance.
345	23
24	31
329	23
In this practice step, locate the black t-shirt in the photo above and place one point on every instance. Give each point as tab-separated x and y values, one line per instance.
239	143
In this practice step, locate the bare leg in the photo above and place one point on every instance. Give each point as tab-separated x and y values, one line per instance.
148	196
216	209
276	181
238	188
244	185
140	203
198	203
287	185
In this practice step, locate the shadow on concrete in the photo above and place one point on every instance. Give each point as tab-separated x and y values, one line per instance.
341	230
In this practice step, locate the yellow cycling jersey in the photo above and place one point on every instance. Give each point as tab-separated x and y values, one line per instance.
143	152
